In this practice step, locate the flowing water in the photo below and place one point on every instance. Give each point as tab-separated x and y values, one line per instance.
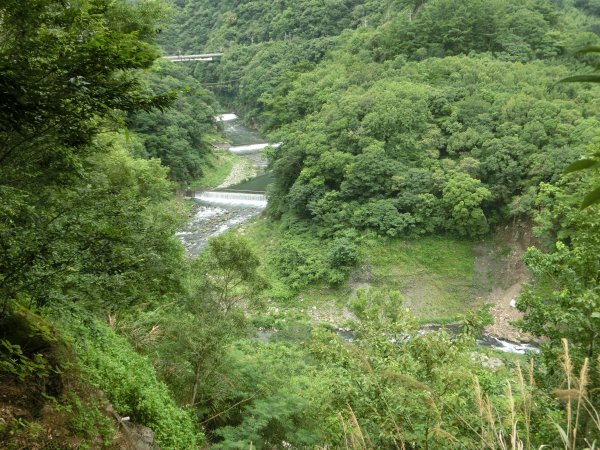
233	198
485	340
222	210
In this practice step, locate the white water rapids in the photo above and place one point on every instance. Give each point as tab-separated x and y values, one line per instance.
219	211
233	198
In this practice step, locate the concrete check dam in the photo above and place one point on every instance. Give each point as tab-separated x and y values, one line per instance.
227	207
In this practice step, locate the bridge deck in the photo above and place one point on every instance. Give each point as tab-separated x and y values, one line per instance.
198	57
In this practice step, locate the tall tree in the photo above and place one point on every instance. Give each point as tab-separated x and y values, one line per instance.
67	74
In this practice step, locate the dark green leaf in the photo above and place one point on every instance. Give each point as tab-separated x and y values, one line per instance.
591	199
582	78
593	49
581	165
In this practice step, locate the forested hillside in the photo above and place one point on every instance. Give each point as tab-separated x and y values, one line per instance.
179	136
86	229
219	26
432	166
413	118
434	117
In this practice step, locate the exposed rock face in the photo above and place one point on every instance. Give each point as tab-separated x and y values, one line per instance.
142	438
501	262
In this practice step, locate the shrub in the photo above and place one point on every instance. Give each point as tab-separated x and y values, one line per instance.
129	381
343	252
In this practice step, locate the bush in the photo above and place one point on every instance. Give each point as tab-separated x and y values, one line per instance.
383	217
343	252
129	381
304	259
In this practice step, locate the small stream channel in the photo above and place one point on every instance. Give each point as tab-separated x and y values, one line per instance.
485	340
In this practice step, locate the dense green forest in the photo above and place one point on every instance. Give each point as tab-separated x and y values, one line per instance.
417	136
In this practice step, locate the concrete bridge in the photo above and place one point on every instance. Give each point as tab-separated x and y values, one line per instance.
198	57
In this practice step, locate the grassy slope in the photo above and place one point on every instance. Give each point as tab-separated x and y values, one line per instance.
216	169
82	378
436	275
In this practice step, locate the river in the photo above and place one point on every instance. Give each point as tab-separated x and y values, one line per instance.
223	209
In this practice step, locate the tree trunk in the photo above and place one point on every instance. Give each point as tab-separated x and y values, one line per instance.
196	383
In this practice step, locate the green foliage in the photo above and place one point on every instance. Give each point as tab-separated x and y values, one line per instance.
463	196
19	428
381	122
571	310
215	169
563	301
398	387
403	118
106	240
44	385
343	252
377	306
593	197
474	321
128	380
383	216
28	346
82	218
514	31
226	23
301	259
355	159
298	265
229	272
88	421
178	136
63	74
16	364
187	340
278	398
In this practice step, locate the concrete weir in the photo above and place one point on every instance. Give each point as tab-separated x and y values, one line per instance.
252	148
233	198
223	209
226	117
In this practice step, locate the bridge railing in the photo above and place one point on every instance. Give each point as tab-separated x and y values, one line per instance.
196	57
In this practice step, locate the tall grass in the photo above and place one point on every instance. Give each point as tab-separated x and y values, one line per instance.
579	412
514	428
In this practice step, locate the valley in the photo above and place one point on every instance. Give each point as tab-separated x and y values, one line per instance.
346	224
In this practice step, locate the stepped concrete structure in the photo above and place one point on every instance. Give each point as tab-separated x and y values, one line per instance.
253	199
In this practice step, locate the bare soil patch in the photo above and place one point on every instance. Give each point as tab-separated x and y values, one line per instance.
501	273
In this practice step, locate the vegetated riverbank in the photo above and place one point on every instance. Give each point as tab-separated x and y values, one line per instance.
209	219
441	279
219	166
